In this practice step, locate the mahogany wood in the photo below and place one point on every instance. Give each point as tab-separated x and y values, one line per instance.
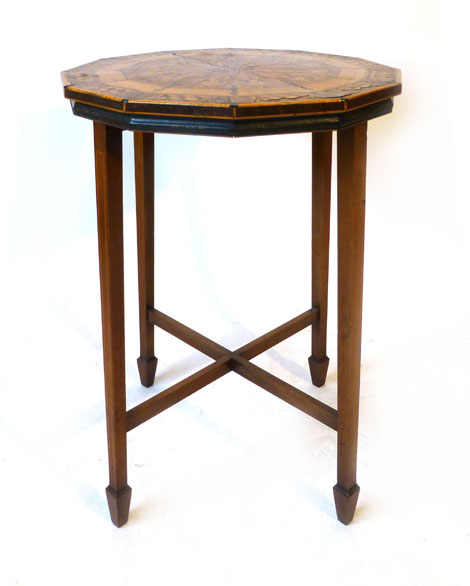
321	194
177	392
248	351
285	391
144	192
187	335
108	165
237	361
279	334
233	92
351	149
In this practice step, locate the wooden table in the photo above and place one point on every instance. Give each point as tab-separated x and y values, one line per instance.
232	92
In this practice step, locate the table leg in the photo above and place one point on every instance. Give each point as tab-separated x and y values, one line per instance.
321	195
144	191
108	166
352	143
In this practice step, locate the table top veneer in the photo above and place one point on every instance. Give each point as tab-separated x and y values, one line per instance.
231	91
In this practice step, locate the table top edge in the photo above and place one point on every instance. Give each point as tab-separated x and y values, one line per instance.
233	111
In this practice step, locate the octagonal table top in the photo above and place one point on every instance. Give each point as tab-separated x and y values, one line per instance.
227	84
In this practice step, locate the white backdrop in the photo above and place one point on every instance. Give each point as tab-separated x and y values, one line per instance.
232	486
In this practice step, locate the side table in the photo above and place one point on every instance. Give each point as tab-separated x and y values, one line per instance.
232	92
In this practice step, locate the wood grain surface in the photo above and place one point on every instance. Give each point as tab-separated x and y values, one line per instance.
231	83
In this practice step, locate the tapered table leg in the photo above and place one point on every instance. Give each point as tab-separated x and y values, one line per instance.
352	144
321	195
108	166
144	191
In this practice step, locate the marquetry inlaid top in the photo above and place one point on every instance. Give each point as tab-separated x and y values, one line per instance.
231	83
